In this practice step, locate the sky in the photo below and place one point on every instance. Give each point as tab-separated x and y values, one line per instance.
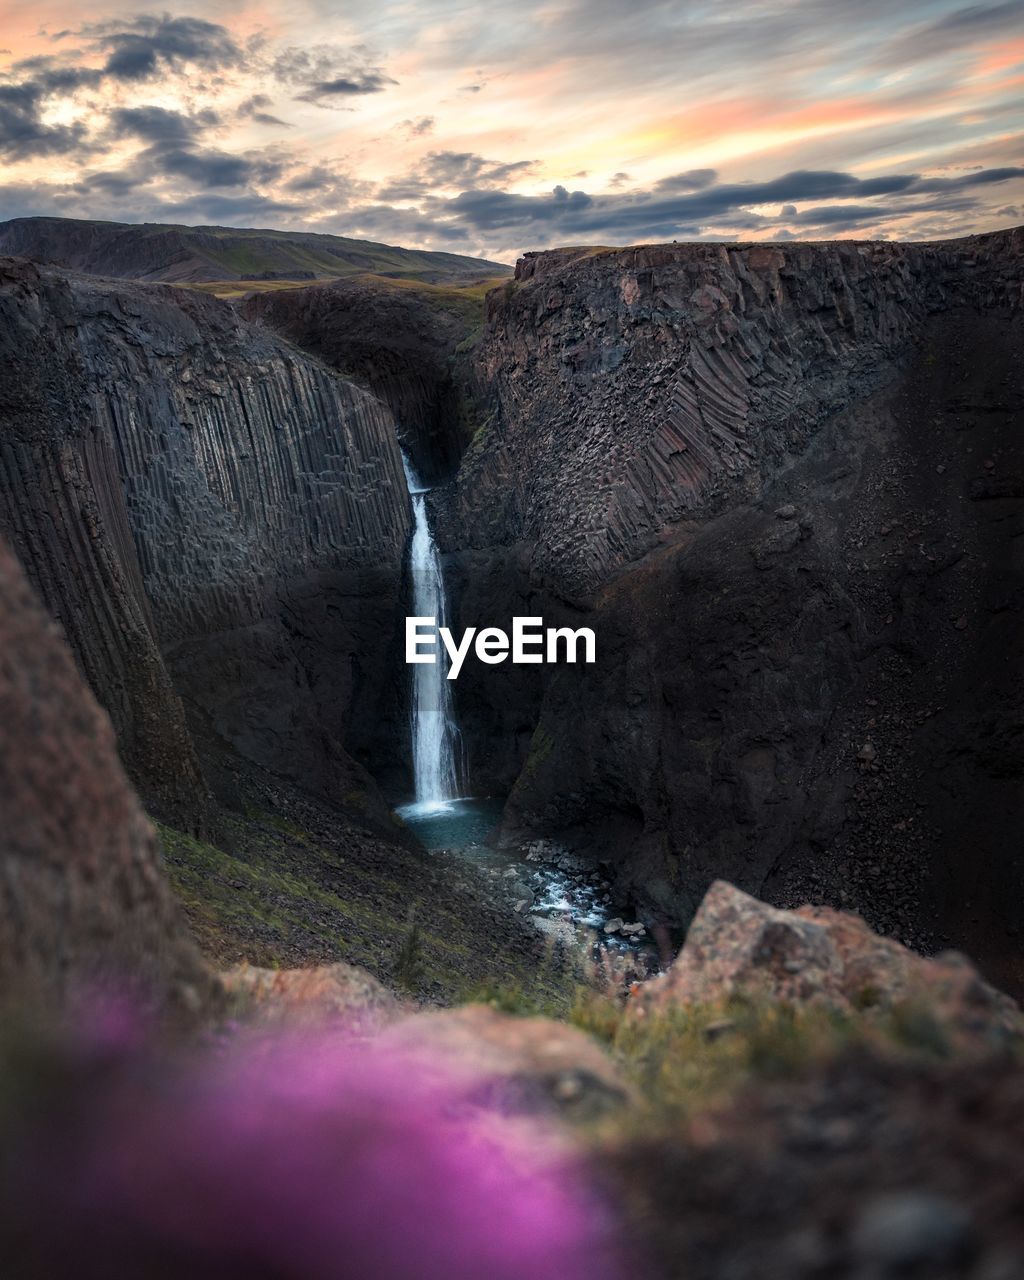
490	130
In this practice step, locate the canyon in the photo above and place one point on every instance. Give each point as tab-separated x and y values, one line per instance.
782	484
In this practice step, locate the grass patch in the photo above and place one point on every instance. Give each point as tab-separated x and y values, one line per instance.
683	1060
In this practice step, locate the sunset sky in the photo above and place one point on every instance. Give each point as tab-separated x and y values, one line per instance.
485	129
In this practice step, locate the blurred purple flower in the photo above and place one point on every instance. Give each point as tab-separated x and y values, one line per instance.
298	1160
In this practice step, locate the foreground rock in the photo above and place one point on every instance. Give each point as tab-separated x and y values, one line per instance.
866	1169
83	900
328	995
739	946
516	1064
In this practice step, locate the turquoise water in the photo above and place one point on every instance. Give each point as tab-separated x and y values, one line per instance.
579	897
453	824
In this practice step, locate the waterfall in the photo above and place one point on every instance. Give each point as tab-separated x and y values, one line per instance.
436	744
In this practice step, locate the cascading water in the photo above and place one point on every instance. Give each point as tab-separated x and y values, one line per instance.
440	816
436	745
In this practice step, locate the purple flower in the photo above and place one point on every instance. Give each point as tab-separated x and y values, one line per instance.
300	1159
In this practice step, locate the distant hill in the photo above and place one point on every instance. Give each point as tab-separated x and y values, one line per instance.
190	255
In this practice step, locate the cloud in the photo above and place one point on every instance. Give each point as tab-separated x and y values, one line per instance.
952	33
691	180
451	169
492	216
23	133
254	108
50	76
345	86
417	128
159	124
140	47
328	73
207	168
244	210
146	111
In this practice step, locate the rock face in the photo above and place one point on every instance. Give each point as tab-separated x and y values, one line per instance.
195	500
337	996
633	388
784	486
83	900
521	1065
739	946
152	251
398	340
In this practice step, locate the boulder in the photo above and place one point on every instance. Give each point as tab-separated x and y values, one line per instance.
327	994
519	1065
83	900
737	945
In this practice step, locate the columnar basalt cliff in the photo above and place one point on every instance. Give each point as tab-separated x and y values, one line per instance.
398	339
195	498
785	486
633	388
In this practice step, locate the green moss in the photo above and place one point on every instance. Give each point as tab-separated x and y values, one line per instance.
685	1059
280	897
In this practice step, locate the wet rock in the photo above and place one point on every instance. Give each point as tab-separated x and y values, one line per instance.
909	1232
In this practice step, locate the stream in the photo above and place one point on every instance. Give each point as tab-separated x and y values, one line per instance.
557	889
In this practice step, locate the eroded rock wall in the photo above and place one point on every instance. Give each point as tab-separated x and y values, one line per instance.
632	388
786	488
400	341
196	499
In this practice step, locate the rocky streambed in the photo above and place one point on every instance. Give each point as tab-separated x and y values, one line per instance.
567	896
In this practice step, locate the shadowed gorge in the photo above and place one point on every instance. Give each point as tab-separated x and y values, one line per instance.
780	483
783	487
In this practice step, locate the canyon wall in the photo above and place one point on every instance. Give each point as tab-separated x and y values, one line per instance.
632	388
211	516
400	341
784	485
